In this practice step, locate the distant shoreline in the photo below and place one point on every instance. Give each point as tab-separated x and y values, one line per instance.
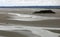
48	7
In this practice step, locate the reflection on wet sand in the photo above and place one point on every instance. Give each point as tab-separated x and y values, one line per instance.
3	18
45	23
55	31
11	34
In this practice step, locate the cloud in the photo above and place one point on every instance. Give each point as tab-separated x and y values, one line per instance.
29	2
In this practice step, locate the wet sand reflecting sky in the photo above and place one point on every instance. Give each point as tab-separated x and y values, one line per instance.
11	34
47	23
44	23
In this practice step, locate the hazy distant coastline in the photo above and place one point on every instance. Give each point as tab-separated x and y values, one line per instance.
48	7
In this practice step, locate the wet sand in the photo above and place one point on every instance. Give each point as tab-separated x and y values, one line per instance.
11	34
44	23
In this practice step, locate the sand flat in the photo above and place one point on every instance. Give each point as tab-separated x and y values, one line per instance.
46	23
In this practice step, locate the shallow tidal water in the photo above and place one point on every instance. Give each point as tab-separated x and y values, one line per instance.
55	23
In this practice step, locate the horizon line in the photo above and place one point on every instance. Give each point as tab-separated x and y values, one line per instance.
53	7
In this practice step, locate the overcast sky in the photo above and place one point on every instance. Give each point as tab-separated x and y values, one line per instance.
29	2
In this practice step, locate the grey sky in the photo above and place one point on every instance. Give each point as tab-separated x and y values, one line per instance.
29	2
